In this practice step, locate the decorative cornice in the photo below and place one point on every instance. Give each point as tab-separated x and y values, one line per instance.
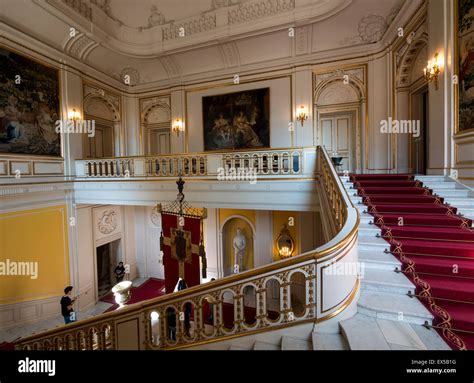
172	69
80	6
230	54
258	9
203	23
80	46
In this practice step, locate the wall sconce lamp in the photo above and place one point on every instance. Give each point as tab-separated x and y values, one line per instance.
285	243
302	115
177	127
432	71
74	115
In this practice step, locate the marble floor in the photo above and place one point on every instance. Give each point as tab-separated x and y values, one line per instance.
11	334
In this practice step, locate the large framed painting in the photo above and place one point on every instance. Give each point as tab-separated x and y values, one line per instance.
239	120
29	106
464	53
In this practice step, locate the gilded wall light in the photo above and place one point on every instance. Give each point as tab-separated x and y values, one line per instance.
177	127
285	243
302	114
74	115
432	71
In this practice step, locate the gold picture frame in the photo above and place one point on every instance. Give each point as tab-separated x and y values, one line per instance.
456	68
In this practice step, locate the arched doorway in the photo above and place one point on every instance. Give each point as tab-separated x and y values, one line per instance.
155	126
339	110
411	102
103	109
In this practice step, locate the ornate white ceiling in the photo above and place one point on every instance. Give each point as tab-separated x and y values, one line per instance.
161	41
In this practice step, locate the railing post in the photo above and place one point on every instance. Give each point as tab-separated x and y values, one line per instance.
239	304
198	321
286	297
260	304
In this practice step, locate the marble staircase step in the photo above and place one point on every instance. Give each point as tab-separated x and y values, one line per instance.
329	342
368	333
377	259
362	333
237	348
265	346
288	343
424	178
371	241
393	306
447	185
386	281
460	202
457	193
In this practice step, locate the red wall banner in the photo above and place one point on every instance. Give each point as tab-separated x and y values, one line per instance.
192	229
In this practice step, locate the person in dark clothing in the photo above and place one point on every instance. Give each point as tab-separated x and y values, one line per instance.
211	307
119	272
187	309
66	306
172	324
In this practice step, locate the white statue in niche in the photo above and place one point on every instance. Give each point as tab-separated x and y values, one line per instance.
239	243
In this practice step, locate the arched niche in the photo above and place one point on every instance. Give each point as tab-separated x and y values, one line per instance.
105	112
228	231
340	110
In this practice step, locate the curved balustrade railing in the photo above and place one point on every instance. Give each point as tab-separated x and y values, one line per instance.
172	166
305	288
266	162
332	201
260	162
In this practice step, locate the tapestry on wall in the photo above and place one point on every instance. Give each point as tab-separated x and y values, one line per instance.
238	120
29	106
465	54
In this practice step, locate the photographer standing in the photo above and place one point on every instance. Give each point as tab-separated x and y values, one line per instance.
66	306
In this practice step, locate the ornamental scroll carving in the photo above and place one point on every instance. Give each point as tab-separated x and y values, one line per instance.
107	223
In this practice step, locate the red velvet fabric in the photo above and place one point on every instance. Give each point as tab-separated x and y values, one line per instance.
394	190
423	220
435	246
171	265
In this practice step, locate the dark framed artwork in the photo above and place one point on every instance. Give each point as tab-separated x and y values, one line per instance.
239	120
29	106
464	64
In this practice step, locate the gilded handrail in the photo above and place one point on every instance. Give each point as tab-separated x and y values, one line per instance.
306	264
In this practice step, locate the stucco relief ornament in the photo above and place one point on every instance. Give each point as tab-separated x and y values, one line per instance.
155	217
372	28
156	17
108	222
130	75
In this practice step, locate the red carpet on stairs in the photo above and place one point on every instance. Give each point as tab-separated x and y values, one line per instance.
434	244
149	289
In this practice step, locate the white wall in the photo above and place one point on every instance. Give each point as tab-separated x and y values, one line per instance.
88	238
378	144
439	112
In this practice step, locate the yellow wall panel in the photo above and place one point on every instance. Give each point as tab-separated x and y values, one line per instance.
38	239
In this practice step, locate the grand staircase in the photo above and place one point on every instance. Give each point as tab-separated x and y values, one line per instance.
413	234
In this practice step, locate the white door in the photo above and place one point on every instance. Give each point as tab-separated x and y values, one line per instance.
158	141
335	136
